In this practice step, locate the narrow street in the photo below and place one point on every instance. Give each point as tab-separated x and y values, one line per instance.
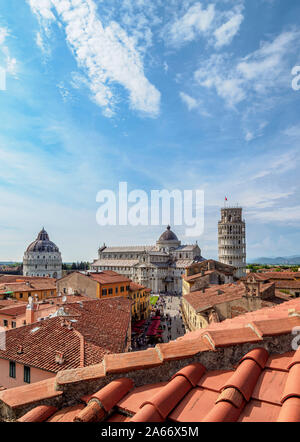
170	308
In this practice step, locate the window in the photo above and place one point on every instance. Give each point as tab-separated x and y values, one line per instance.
5	322
127	287
12	369
13	324
21	295
122	288
104	292
26	374
110	291
116	290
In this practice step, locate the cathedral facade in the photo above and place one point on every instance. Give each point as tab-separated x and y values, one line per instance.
159	267
42	258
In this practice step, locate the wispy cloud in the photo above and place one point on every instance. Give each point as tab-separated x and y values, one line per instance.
106	54
218	26
193	23
260	71
227	31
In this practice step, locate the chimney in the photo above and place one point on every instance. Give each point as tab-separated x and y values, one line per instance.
20	349
59	357
29	316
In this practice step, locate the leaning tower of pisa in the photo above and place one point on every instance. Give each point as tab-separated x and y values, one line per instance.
232	239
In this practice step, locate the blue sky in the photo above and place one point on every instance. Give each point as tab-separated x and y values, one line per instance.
163	94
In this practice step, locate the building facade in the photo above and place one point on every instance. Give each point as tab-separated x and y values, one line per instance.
209	272
107	284
159	267
232	239
42	258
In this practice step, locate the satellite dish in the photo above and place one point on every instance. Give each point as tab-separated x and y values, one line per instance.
64	299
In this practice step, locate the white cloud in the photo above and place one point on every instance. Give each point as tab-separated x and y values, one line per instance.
193	104
10	65
194	22
257	73
226	32
107	55
188	100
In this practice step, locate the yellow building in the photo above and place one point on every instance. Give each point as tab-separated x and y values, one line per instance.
140	296
22	290
106	284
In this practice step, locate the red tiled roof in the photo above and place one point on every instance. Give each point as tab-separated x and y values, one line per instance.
18	278
215	295
29	286
14	310
97	327
255	391
109	277
264	386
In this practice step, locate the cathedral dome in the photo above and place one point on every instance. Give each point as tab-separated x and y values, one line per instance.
42	244
168	235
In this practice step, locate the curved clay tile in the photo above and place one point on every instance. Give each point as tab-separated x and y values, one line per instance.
296	359
38	414
223	412
93	412
171	394
104	400
192	373
147	414
290	410
259	355
244	378
110	395
292	386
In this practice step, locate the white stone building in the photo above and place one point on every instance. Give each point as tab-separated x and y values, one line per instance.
159	267
42	258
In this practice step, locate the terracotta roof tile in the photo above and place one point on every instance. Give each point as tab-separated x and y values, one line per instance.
66	414
93	412
295	359
231	395
182	349
112	393
192	372
215	379
221	338
133	400
259	355
38	414
272	327
292	386
30	394
194	406
148	413
167	398
245	377
73	376
279	361
257	411
104	400
171	394
131	361
223	412
290	410
269	386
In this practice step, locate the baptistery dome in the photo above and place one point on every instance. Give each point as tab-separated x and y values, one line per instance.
42	258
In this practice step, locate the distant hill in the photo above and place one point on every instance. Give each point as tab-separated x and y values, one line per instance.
281	260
